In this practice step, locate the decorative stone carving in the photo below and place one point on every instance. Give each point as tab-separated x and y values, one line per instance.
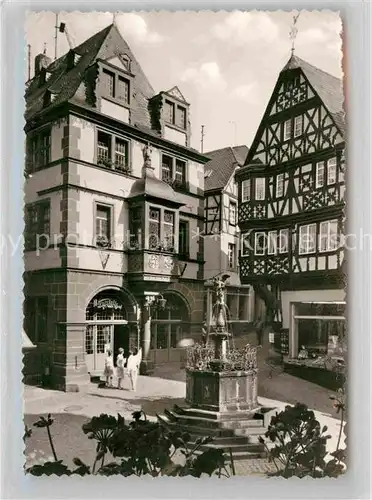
153	261
147	152
168	263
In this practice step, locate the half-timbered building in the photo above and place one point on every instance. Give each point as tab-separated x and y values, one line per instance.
221	235
113	192
291	208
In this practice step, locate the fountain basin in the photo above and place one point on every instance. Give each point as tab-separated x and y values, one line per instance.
222	391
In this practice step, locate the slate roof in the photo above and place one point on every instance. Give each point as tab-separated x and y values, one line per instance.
71	85
222	165
328	87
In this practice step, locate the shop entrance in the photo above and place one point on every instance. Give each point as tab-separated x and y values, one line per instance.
106	329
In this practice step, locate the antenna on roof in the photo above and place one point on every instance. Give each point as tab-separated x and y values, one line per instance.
63	29
45	49
29	61
202	139
114	14
293	32
55	37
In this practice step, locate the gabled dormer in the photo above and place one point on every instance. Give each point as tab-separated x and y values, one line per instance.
170	116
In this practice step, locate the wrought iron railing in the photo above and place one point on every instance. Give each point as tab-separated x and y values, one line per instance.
201	357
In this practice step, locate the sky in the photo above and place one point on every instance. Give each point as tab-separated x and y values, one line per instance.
225	63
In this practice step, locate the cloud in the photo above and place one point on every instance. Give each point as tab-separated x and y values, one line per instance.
240	28
135	27
207	76
247	93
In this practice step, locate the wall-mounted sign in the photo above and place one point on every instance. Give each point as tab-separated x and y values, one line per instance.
106	304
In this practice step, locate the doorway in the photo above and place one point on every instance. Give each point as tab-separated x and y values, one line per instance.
121	339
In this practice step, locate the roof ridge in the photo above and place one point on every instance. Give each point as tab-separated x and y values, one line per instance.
300	61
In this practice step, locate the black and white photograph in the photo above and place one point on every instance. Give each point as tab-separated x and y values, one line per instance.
184	244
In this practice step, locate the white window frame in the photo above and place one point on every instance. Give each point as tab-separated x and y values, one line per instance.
283	248
256	236
231	254
260	196
232	204
272	244
331	167
298	123
246	190
320	167
287	130
310	246
325	235
279	188
245	249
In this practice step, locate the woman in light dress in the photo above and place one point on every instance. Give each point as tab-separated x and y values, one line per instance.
133	364
109	368
120	363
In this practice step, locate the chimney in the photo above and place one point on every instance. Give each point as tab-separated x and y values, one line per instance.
42	61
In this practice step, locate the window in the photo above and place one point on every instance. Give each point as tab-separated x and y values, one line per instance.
183	238
115	86
328	236
287	134
246	190
232	213
331	171
167	169
123	89
154	228
319	175
173	171
180	176
135	225
113	152
168	230
259	243
39	148
37	224
231	255
245	244
103	225
169	112
283	240
272	243
260	188
307	239
298	125
36	318
109	82
121	154
279	185
181	117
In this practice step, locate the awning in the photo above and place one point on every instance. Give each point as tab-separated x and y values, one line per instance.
26	342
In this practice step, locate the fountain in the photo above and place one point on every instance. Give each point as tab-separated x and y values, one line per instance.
221	389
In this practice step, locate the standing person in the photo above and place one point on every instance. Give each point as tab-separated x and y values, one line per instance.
120	362
109	368
133	363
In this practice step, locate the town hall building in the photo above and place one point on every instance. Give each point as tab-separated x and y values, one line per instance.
113	192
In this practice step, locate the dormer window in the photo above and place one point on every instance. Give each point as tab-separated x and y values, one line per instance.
115	86
175	114
47	98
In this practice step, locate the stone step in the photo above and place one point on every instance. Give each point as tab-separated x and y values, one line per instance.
208	423
212	415
253	425
253	449
240	455
194	429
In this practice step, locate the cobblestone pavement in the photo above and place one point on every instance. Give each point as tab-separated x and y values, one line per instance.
71	410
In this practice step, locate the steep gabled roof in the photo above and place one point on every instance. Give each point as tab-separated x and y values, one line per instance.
222	165
328	87
66	84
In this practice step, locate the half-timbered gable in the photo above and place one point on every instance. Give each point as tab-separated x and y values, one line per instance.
291	190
